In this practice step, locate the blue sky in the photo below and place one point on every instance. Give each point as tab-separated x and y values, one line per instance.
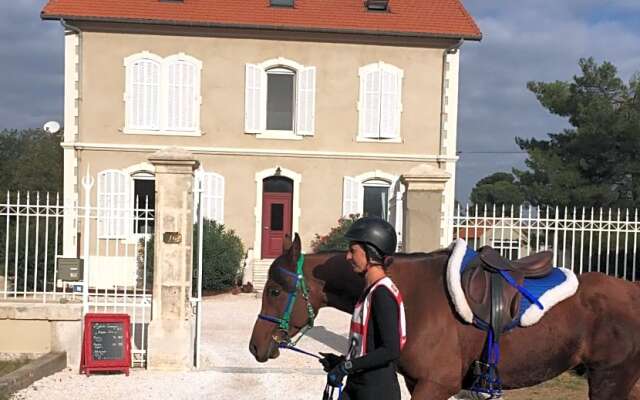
525	40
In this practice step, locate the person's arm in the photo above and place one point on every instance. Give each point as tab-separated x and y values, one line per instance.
384	316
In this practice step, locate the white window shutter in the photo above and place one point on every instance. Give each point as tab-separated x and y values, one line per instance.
143	94
213	196
351	196
369	107
305	105
181	96
114	204
390	106
253	110
396	194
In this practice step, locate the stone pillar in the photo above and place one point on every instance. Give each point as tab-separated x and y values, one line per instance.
423	207
171	331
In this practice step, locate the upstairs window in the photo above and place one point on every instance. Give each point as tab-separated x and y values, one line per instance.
280	99
162	95
380	105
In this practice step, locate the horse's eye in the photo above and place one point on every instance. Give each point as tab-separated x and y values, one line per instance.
273	292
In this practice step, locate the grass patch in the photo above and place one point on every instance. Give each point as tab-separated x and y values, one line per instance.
567	386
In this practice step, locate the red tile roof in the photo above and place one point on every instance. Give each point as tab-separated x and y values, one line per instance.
437	18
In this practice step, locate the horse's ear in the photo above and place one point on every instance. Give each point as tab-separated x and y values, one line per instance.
295	249
286	243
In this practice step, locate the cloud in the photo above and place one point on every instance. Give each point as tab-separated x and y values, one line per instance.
530	40
32	68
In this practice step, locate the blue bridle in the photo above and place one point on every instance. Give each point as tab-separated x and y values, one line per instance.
284	321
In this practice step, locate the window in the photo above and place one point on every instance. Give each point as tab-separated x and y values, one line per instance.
507	248
380	106
280	99
280	94
375	199
162	95
374	194
144	203
212	196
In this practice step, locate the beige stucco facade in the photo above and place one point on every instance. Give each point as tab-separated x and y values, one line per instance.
95	108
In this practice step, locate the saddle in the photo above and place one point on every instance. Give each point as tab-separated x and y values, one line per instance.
491	298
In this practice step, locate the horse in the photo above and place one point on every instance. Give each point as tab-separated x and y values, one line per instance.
597	329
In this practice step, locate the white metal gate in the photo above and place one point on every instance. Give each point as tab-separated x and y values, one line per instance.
196	290
582	239
117	263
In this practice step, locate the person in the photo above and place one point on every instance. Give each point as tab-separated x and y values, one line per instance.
378	330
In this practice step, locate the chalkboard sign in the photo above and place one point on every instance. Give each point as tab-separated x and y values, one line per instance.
107	340
106	344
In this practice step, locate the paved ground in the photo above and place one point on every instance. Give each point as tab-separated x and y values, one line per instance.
228	370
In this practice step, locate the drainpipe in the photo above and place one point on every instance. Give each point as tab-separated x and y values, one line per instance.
449	50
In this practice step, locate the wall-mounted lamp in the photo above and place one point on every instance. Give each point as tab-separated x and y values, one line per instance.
278	172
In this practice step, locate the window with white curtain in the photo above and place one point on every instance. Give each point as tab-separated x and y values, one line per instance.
162	95
380	102
280	99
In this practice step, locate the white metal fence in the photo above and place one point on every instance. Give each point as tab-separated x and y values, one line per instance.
582	239
115	277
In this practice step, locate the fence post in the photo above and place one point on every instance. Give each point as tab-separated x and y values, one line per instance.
423	214
171	330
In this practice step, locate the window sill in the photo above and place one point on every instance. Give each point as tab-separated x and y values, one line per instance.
279	135
370	140
129	131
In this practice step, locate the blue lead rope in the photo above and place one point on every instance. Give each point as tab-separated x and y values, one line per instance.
284	345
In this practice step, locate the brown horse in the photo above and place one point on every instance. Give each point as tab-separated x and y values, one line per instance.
598	328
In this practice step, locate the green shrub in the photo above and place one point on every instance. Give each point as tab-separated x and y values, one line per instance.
222	255
335	239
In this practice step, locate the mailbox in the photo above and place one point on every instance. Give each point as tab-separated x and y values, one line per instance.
70	269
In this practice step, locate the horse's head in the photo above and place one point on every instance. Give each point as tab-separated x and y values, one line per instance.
288	304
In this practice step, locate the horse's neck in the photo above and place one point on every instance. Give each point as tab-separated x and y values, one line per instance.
341	286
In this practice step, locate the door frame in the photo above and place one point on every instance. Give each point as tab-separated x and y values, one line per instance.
295	204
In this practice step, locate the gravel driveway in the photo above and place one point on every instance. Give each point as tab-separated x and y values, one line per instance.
228	370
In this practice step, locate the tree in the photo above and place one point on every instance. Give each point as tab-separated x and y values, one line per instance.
30	160
499	188
595	162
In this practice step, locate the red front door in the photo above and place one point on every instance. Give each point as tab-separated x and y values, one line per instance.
276	222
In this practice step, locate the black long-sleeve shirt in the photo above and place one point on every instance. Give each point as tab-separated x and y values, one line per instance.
383	341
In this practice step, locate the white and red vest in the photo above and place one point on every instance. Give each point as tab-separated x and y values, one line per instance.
361	317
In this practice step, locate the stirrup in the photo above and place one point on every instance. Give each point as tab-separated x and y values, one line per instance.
486	379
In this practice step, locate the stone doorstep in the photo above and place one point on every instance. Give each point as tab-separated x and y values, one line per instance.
37	369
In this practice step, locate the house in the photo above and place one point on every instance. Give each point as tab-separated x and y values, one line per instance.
510	239
299	111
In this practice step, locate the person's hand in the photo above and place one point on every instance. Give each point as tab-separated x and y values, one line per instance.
330	360
337	374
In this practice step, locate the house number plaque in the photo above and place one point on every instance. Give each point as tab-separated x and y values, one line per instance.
172	237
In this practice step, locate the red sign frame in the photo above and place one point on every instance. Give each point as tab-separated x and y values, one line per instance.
87	363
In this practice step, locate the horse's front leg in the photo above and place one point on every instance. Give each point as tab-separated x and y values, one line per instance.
430	390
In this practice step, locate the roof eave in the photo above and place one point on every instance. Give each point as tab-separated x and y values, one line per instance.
425	35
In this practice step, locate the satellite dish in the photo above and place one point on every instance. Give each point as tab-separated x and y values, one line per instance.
52	127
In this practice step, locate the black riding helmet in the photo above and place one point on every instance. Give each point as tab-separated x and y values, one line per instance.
376	233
